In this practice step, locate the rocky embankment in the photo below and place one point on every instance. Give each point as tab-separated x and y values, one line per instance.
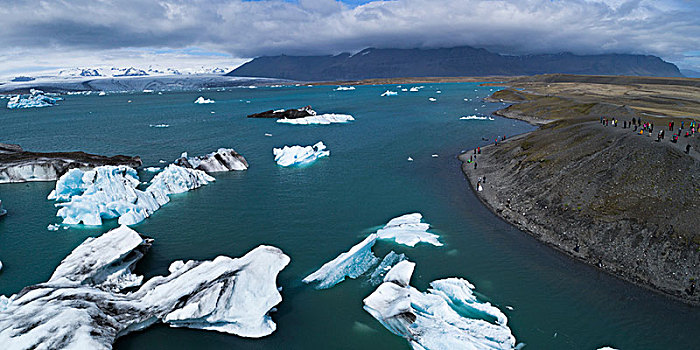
18	165
608	196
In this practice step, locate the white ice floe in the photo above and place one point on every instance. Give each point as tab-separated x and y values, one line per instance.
323	119
448	316
201	100
352	263
415	89
84	306
298	155
438	92
406	229
53	227
434	155
153	169
268	134
404	90
159	125
224	159
432	99
389	93
102	93
345	88
607	348
409	159
109	192
35	99
474	117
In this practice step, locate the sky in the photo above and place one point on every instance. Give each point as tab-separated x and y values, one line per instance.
43	35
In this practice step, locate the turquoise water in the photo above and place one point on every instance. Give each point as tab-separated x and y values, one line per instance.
316	212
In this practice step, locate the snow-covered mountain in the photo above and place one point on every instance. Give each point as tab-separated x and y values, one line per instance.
131	71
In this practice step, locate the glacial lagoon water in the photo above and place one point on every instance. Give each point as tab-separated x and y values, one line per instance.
315	212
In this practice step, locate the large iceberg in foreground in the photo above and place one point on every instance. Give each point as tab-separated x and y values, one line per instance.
406	229
322	119
109	192
298	155
81	307
448	316
224	159
36	98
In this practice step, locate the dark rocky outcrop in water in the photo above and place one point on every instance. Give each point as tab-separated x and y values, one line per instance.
18	165
606	195
286	114
447	62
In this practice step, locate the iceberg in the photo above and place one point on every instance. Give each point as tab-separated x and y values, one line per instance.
389	93
475	117
298	155
35	99
415	89
224	159
408	230
352	263
201	100
431	99
159	125
93	297
153	169
323	119
345	88
448	316
109	192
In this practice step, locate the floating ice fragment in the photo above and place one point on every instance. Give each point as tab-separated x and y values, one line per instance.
432	99
323	119
224	159
102	93
159	125
409	159
153	169
201	100
298	155
35	99
268	134
448	316
345	88
352	263
473	117
53	227
434	155
109	192
408	230
389	93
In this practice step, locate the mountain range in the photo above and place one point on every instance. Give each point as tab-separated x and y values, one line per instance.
448	62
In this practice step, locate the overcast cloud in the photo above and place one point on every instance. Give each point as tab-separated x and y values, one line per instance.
49	34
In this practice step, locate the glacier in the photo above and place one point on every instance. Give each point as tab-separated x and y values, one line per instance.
224	159
322	119
109	192
35	99
299	155
448	316
406	229
93	297
201	100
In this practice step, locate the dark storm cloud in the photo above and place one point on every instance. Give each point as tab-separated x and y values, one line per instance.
252	28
